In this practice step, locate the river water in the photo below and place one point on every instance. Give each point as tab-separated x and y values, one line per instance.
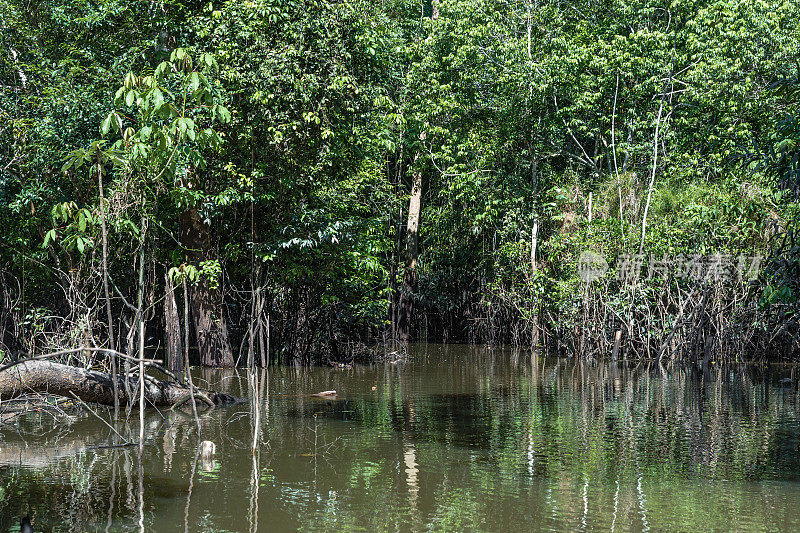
457	438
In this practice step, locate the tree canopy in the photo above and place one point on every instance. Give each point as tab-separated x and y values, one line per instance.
279	149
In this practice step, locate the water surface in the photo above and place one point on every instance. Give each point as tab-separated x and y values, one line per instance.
457	438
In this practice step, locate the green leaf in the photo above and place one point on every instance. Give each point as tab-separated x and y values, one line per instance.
49	236
106	124
161	69
178	54
194	81
224	114
158	98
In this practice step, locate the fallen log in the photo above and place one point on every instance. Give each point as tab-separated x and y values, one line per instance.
47	377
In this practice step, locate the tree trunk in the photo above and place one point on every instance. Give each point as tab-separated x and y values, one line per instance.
172	329
652	174
406	305
106	292
211	330
47	377
412	253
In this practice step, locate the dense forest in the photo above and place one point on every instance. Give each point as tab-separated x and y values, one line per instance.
316	181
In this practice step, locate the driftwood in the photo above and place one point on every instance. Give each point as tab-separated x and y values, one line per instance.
47	377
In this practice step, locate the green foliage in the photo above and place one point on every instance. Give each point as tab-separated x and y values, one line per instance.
174	112
72	223
188	273
291	130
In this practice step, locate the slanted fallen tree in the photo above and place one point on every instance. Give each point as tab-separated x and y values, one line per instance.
38	375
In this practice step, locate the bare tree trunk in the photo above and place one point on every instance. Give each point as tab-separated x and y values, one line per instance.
251	336
530	27
109	314
186	351
210	326
263	346
48	377
406	311
412	253
141	352
535	314
614	152
23	78
186	324
534	245
141	380
535	190
653	173
172	328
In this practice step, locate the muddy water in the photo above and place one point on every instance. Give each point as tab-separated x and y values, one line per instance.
458	438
